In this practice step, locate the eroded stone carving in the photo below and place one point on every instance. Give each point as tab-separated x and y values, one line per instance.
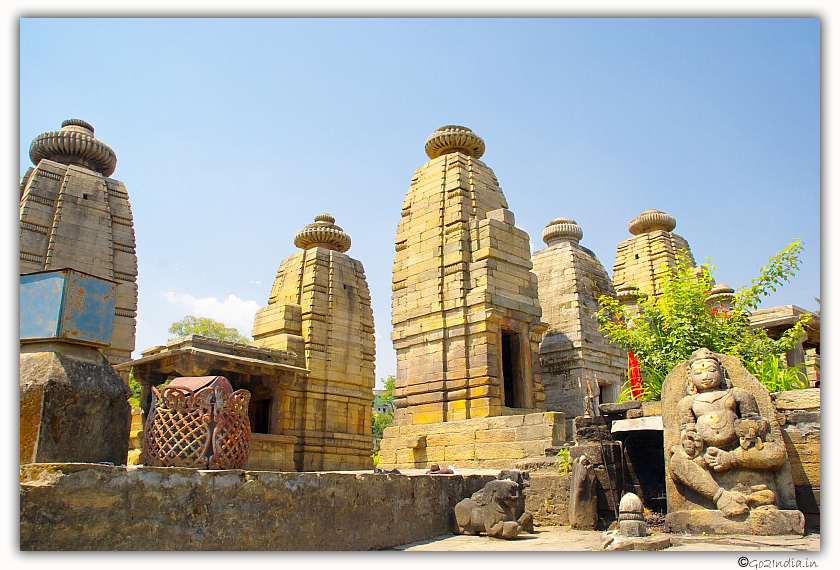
583	500
491	511
523	480
723	449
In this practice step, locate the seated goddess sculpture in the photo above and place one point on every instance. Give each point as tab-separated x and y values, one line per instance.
721	430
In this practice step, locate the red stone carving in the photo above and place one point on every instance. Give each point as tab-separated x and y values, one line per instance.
198	422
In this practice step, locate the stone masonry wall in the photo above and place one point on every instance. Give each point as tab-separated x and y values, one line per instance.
96	507
486	443
643	259
798	412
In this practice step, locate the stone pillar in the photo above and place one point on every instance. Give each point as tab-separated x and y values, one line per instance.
73	215
465	310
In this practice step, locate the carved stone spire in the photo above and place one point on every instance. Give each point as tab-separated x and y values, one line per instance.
74	144
651	220
323	233
560	230
454	138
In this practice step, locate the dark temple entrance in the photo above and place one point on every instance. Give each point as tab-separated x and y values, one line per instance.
511	373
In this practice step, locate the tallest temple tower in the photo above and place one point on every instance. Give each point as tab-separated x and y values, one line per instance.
465	310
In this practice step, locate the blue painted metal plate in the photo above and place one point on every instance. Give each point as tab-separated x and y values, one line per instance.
40	305
67	304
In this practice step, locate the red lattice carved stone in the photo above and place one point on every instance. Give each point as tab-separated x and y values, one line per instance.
200	423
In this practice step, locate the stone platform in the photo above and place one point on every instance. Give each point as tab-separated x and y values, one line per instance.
480	443
759	521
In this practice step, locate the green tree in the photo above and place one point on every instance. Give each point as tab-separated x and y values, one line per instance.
135	387
390	384
670	326
382	420
206	327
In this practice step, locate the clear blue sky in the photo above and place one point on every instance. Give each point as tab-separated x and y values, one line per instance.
233	134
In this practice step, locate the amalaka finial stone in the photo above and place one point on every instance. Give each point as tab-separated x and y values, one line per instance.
560	230
651	220
74	144
323	233
454	138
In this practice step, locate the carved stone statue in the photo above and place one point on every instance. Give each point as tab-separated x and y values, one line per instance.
491	511
724	450
583	499
523	479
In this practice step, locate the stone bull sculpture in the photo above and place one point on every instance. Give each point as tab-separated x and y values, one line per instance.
491	511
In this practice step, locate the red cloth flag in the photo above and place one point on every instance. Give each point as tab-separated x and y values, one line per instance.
635	375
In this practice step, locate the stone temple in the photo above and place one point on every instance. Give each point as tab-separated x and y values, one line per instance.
310	368
73	215
641	260
571	279
319	308
466	318
465	310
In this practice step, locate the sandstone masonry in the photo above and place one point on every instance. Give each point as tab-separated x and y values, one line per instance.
570	281
465	310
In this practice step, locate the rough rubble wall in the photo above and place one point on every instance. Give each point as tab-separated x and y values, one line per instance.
462	275
95	507
74	217
320	309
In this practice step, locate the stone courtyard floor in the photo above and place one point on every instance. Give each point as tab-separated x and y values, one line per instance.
561	538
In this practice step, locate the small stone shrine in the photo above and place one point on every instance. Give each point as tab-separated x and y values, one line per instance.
72	214
465	310
641	260
73	404
319	308
570	281
727	469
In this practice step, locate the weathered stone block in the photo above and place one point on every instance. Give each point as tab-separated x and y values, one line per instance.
807	399
74	406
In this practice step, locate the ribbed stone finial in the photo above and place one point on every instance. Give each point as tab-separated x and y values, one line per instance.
651	220
627	294
560	230
323	233
454	138
722	295
74	144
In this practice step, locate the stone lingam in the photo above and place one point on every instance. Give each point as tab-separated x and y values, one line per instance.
727	470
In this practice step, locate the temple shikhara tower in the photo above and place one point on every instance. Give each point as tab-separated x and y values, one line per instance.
465	310
319	308
571	279
652	251
73	215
